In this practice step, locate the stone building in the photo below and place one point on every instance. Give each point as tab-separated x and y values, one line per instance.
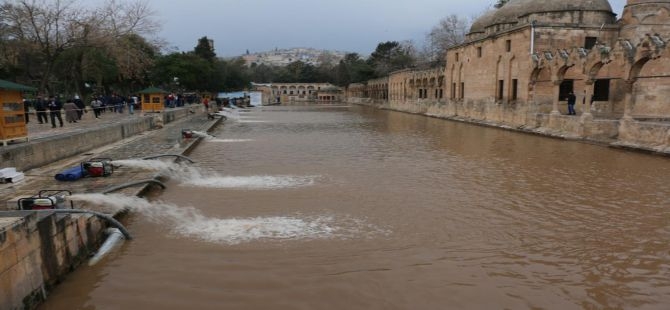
417	86
520	62
293	92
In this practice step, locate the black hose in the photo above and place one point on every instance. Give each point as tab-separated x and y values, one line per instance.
106	217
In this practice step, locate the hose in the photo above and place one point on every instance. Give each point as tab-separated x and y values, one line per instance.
112	221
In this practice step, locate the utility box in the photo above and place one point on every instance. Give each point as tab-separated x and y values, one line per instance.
151	99
12	113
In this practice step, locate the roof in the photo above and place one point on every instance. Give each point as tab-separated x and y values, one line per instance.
13	86
514	9
152	90
479	25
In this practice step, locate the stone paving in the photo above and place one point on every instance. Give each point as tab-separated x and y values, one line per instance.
166	140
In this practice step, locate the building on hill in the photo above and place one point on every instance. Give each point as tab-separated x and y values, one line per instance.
519	64
284	57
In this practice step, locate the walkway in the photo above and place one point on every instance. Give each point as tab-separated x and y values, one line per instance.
166	140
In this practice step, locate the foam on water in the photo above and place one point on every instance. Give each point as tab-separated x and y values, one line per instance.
253	121
190	222
229	140
203	135
155	165
251	182
229	115
192	176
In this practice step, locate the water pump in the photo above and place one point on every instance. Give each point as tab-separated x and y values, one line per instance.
45	200
98	167
186	133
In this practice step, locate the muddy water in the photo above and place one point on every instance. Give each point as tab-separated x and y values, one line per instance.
355	208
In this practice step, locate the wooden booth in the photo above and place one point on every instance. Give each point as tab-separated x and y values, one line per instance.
12	112
151	99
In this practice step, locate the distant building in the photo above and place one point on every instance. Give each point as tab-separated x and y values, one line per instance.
298	92
284	57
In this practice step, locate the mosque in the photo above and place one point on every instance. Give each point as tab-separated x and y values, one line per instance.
519	63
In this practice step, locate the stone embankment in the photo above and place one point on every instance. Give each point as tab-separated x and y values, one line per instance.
38	249
647	136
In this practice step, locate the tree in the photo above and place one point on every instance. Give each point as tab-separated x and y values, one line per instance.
205	49
449	32
192	71
44	33
500	3
391	56
353	69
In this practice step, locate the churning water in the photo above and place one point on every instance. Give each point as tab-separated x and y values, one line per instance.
192	176
356	208
192	223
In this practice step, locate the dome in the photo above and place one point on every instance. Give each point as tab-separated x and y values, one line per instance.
479	25
514	9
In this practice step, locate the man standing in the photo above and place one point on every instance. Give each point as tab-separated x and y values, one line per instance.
40	107
81	107
96	105
26	109
54	110
571	103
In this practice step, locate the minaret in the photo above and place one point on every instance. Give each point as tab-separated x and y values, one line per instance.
642	17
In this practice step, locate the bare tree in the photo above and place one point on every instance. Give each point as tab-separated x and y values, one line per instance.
54	28
449	32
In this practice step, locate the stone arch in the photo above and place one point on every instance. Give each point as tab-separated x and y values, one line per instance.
636	68
594	69
499	76
511	72
541	89
459	86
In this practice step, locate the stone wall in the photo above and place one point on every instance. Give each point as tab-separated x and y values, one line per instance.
34	154
629	133
38	249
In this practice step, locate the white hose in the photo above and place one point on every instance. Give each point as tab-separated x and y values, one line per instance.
114	239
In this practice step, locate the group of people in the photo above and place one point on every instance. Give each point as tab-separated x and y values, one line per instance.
52	106
75	107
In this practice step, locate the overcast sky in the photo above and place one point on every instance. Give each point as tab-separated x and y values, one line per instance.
344	25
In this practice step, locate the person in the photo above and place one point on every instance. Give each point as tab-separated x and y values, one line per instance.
71	114
81	107
54	111
571	103
26	110
40	107
132	104
96	105
205	102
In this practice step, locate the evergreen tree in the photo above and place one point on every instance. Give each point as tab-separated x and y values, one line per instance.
205	49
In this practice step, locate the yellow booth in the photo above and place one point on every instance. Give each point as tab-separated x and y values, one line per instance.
151	99
12	113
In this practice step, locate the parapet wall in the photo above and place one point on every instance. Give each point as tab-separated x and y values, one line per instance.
37	153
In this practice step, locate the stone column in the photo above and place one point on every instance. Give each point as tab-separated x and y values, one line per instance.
629	100
557	92
586	107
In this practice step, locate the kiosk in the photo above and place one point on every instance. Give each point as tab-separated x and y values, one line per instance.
151	99
12	113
